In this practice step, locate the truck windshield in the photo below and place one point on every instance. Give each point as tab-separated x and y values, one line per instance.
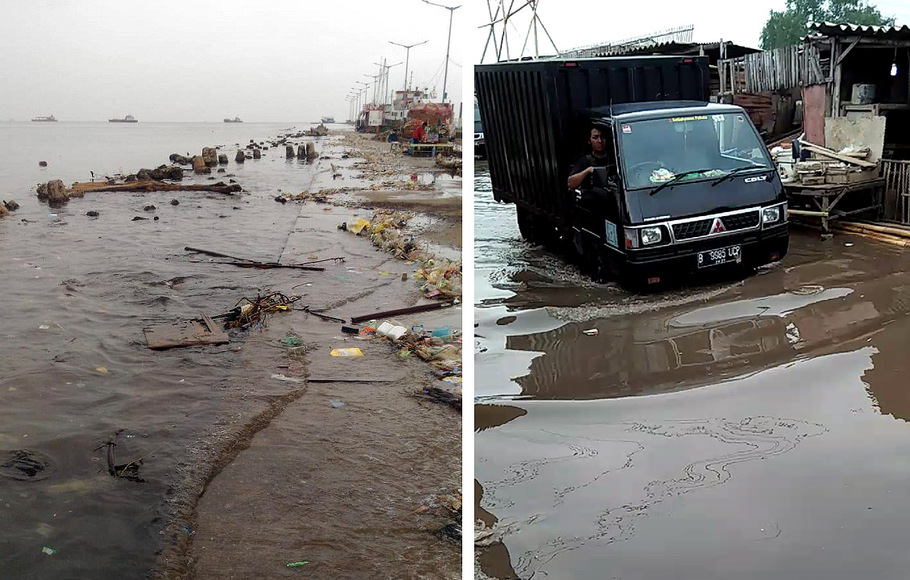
657	150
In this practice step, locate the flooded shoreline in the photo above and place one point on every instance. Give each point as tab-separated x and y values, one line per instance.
735	424
78	375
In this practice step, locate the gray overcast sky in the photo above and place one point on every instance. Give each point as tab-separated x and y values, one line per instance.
574	23
203	60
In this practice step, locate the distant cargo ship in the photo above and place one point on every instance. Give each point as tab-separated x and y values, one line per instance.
127	119
50	119
234	120
328	119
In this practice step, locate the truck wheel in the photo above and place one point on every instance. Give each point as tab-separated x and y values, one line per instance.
545	233
525	223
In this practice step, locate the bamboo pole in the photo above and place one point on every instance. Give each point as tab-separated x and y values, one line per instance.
890	230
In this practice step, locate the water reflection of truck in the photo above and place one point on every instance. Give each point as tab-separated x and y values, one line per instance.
686	185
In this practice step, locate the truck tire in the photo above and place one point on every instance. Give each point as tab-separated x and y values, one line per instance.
526	223
546	234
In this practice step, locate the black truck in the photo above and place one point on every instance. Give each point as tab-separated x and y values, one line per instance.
682	185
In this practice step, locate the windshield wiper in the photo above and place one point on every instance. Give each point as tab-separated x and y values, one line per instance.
678	177
734	171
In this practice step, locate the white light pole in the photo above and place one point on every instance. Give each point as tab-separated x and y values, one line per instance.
407	57
384	79
445	76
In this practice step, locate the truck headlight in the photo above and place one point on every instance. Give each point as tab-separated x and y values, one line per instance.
771	215
650	236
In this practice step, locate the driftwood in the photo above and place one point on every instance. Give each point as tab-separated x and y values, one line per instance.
151	185
441	396
350	380
247	263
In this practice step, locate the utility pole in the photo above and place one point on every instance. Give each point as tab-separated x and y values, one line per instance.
407	57
445	76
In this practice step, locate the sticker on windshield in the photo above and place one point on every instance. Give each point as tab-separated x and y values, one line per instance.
626	129
693	118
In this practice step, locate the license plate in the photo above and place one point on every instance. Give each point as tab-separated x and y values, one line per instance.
719	256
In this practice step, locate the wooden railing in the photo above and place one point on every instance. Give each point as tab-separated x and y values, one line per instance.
897	191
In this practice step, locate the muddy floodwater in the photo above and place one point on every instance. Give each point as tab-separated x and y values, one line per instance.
77	381
752	428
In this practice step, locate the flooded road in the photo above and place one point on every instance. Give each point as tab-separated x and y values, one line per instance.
749	428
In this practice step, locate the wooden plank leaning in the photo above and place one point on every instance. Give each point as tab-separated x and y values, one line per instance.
834	155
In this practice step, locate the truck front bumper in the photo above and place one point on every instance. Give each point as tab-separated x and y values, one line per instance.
757	248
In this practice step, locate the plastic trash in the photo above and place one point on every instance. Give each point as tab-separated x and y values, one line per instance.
442	332
590	332
279	377
292	340
358	225
297	564
392	331
48	551
346	352
335	403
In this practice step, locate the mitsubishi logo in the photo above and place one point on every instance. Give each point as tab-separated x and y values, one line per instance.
718	226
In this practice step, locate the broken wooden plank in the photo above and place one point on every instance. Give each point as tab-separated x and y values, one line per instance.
247	263
184	333
834	155
400	311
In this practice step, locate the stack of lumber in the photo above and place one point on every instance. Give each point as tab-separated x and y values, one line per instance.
828	166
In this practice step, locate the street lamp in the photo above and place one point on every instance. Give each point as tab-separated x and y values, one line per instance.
384	77
407	56
445	76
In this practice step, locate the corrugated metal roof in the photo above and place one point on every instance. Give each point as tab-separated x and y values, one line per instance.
669	47
835	29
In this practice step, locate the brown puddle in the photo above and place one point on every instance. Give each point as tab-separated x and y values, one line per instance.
741	429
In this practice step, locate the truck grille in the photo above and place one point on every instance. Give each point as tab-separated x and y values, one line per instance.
694	229
740	221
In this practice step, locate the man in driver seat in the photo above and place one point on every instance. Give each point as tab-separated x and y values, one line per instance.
583	168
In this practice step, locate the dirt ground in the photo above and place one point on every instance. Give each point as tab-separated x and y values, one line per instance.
340	478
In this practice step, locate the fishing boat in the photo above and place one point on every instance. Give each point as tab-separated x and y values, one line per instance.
234	120
127	119
50	119
328	119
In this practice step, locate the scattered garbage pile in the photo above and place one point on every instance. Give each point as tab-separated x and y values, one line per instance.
321	196
452	163
849	165
447	510
440	347
442	277
248	312
7	207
